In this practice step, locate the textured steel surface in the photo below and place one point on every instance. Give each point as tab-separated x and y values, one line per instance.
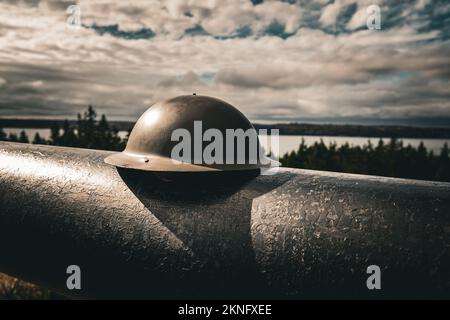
297	234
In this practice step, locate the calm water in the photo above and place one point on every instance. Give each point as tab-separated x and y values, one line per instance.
288	143
291	143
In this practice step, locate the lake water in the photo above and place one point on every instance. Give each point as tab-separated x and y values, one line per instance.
291	143
288	143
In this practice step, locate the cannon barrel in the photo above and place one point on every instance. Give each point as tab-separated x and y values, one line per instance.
295	234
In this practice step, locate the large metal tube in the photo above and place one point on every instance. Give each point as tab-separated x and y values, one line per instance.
296	234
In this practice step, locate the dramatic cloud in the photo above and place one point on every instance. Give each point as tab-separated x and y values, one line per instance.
275	60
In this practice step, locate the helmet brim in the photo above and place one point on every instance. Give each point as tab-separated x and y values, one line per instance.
164	164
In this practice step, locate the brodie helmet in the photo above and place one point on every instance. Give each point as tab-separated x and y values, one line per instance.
151	142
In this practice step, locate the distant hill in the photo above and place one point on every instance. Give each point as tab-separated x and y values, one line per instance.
358	130
285	128
47	123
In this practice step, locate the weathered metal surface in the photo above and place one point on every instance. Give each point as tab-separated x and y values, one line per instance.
296	234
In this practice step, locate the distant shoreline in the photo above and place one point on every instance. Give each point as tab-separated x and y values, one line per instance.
303	129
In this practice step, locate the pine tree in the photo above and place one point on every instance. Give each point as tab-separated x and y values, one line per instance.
38	140
392	159
87	135
68	138
23	137
54	135
3	136
13	137
443	165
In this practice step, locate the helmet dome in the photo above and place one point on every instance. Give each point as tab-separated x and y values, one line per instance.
154	138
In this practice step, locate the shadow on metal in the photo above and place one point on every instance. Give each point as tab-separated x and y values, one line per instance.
205	212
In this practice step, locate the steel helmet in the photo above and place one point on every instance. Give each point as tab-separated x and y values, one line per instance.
150	143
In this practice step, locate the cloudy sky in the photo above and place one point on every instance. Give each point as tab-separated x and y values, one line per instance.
274	60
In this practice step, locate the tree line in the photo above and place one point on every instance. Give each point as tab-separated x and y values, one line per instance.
348	130
88	133
391	159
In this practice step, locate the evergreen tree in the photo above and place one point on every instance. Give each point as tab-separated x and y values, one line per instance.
87	133
23	137
421	163
55	135
38	140
443	165
94	134
104	134
392	159
13	137
68	138
3	136
86	129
